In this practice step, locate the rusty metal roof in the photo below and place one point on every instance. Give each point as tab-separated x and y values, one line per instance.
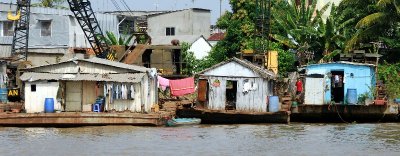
132	78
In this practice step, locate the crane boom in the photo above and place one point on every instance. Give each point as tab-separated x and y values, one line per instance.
21	29
87	20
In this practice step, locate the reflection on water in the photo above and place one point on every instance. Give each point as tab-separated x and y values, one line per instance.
258	139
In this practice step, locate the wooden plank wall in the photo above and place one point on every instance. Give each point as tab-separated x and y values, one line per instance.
253	101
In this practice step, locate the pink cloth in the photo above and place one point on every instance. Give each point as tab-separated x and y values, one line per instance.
164	83
182	86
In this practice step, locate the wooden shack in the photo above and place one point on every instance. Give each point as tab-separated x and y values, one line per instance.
235	85
75	85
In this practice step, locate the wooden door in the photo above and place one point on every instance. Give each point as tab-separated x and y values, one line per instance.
73	101
202	91
314	91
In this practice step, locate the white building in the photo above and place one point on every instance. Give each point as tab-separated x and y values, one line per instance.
200	48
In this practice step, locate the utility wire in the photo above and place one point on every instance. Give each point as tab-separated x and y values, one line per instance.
116	5
127	7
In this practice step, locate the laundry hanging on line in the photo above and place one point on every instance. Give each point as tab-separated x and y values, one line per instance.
182	86
163	82
119	91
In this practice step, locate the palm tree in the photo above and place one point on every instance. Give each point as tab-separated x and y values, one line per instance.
332	33
380	25
111	39
300	23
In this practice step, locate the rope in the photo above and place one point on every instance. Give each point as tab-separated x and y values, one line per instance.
337	110
384	114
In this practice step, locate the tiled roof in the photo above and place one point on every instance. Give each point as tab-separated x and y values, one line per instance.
216	37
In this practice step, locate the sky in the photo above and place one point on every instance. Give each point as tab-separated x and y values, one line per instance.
213	5
151	5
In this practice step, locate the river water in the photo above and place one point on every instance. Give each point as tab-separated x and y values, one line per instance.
259	139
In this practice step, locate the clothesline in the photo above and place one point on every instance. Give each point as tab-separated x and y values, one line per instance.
178	87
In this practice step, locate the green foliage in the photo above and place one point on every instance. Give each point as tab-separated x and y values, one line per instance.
389	74
111	39
50	4
309	35
190	62
380	22
286	59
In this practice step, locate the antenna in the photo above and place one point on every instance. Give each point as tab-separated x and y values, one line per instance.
156	4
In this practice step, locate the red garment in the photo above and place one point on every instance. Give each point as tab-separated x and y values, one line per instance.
182	86
299	86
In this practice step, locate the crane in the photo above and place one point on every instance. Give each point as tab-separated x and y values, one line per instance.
21	29
86	18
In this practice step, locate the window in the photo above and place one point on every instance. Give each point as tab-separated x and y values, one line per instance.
7	29
45	28
33	88
170	31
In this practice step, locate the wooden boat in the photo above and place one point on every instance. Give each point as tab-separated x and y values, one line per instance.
183	121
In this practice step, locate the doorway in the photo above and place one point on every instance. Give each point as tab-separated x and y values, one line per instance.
231	90
202	93
337	86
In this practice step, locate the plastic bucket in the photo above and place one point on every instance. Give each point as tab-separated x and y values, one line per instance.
3	94
49	105
273	104
352	96
294	104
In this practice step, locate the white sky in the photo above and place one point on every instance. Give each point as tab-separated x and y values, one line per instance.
150	5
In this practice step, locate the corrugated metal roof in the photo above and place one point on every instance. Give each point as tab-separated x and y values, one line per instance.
97	60
263	72
132	78
343	62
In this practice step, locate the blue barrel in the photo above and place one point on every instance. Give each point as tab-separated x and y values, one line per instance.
351	96
273	105
49	105
3	94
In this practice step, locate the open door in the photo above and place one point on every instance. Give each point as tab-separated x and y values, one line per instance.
231	90
202	93
337	85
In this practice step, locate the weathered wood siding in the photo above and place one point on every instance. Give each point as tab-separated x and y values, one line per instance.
232	69
253	101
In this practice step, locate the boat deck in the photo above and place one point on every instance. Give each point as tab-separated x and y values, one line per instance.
67	119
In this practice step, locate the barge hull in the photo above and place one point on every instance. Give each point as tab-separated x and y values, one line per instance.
80	119
345	113
227	117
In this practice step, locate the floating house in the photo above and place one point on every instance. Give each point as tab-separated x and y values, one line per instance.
235	85
76	84
336	82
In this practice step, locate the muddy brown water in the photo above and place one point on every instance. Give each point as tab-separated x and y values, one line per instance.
258	139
